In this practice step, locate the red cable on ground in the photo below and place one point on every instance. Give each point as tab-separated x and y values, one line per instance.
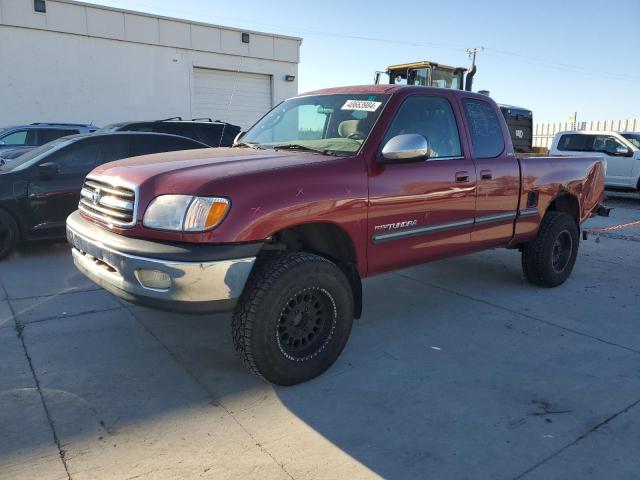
614	227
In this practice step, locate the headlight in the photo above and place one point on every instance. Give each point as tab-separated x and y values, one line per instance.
185	213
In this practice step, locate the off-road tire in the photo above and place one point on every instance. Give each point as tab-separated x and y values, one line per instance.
264	313
9	234
541	263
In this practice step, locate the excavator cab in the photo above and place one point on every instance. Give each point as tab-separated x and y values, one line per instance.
431	74
428	74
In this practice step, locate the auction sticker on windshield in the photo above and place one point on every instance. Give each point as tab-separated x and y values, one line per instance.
362	105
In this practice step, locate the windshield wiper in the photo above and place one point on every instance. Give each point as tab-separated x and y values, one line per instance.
255	146
304	148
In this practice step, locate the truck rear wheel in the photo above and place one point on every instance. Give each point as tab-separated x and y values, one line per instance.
548	259
294	317
9	234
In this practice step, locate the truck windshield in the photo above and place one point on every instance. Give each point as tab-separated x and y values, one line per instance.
329	124
633	138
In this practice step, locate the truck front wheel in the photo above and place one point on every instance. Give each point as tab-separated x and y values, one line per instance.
548	259
294	317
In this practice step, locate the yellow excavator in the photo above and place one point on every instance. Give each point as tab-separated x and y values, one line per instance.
432	74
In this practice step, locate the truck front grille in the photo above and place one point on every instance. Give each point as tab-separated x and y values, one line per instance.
108	201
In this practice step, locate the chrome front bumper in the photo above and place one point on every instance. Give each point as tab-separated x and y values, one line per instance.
193	287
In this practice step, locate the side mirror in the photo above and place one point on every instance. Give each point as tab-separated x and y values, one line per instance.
622	152
406	148
48	170
238	137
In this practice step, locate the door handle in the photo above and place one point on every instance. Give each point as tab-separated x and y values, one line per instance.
486	175
462	177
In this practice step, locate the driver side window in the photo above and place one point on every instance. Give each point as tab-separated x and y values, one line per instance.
431	117
607	144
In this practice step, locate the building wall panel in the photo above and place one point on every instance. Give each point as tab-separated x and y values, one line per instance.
66	17
105	23
141	29
175	34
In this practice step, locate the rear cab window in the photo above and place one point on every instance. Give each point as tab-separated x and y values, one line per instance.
487	139
575	142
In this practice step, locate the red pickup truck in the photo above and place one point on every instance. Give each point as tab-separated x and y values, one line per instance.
328	188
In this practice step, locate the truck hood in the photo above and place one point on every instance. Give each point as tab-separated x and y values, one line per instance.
188	171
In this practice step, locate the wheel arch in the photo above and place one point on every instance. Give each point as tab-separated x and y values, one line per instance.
21	227
568	203
327	240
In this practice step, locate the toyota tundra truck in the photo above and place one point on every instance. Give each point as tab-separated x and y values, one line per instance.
328	188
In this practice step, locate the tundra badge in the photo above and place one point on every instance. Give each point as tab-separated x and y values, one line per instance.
395	226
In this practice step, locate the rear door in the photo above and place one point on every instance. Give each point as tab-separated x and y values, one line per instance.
498	173
423	210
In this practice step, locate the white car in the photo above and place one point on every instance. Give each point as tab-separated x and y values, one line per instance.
621	152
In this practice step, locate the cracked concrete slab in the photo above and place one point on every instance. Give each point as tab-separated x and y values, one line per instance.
123	408
444	384
41	269
609	452
6	318
458	369
601	298
23	419
62	305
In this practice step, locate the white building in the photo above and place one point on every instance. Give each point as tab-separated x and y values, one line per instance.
82	63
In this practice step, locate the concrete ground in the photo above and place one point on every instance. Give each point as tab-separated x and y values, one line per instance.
458	369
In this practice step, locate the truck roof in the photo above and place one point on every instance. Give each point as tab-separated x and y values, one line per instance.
390	89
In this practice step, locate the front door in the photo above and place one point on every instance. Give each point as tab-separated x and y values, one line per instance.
422	210
498	174
619	160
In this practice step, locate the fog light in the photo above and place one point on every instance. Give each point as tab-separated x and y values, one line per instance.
153	279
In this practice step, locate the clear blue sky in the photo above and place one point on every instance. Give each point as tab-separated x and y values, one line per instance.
554	57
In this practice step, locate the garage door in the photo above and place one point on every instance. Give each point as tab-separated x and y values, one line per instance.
234	97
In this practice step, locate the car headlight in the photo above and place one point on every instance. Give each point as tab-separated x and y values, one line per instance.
184	213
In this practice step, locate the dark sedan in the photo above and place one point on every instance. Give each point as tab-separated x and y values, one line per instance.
39	189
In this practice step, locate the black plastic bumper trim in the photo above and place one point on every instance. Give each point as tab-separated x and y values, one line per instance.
172	251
